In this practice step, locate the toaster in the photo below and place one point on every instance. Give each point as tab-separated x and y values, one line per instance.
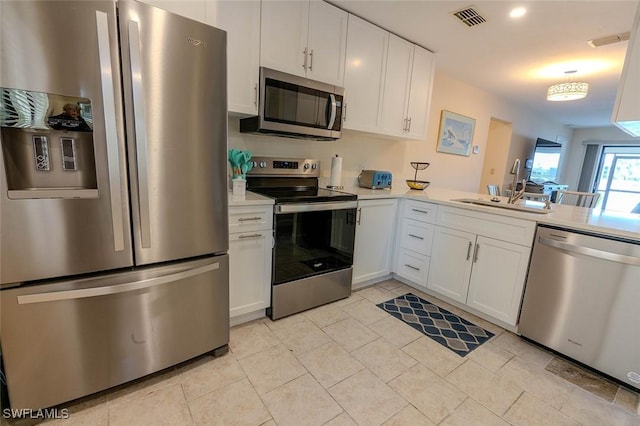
374	179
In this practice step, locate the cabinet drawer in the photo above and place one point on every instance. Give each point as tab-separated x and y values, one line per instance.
250	218
423	212
416	236
413	267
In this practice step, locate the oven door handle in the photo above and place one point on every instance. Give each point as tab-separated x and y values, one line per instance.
314	207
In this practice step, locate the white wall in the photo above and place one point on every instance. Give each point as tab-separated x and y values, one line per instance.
610	135
451	171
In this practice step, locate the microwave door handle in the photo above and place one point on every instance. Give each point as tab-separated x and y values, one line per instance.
111	133
139	121
333	109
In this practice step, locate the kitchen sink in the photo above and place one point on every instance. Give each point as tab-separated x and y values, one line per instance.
529	207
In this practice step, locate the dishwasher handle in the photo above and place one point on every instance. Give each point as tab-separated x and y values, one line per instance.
588	251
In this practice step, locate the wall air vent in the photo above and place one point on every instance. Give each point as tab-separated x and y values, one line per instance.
469	16
610	39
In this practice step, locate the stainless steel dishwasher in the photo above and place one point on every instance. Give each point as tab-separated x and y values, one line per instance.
582	299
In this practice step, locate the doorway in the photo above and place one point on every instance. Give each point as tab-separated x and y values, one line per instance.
618	179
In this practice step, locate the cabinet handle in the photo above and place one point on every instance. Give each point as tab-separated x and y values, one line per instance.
469	250
304	64
245	219
404	126
420	211
359	216
255	91
416	236
311	60
412	267
344	112
242	237
475	254
409	125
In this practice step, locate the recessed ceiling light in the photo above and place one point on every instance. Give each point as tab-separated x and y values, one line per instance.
518	12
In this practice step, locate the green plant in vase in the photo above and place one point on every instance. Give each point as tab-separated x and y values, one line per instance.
240	163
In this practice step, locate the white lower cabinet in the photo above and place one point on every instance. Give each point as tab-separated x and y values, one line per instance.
498	278
481	260
414	241
250	255
375	225
451	258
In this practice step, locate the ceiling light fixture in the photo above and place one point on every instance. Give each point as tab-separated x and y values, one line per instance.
569	90
517	12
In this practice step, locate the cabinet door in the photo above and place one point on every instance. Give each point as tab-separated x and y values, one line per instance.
393	119
327	43
241	21
374	239
284	29
451	260
498	277
249	272
195	9
364	74
420	93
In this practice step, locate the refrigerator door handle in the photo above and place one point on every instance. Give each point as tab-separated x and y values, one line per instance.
114	289
111	134
141	133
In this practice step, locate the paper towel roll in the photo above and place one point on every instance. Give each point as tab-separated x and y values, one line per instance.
336	172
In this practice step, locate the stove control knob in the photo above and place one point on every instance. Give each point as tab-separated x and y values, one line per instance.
263	164
306	166
314	166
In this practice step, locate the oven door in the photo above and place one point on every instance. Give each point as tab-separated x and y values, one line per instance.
312	239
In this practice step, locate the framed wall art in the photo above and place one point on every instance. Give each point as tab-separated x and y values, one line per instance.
456	133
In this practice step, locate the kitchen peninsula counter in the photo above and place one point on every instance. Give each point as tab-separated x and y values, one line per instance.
624	225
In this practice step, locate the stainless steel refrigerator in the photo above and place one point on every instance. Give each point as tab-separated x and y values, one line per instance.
113	199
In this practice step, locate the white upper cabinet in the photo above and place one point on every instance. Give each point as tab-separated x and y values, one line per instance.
364	75
420	93
284	29
241	21
626	111
397	82
407	90
327	43
303	38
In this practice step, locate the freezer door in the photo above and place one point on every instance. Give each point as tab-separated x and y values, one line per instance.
174	75
69	339
63	185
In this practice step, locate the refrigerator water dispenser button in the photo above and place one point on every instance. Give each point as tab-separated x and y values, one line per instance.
41	152
68	148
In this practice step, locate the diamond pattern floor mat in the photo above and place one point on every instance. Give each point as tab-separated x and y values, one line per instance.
446	328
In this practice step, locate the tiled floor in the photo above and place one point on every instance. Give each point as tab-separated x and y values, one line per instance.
350	363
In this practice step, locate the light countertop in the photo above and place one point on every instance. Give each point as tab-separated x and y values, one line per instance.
249	199
625	225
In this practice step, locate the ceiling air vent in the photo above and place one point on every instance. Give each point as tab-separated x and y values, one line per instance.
469	16
610	39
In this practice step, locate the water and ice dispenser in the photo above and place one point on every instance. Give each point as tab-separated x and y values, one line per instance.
47	145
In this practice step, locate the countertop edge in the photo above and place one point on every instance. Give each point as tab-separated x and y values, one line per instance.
578	218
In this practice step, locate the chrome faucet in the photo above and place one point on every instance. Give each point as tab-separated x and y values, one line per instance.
515	171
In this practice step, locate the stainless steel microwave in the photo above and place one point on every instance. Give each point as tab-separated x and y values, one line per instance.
296	107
